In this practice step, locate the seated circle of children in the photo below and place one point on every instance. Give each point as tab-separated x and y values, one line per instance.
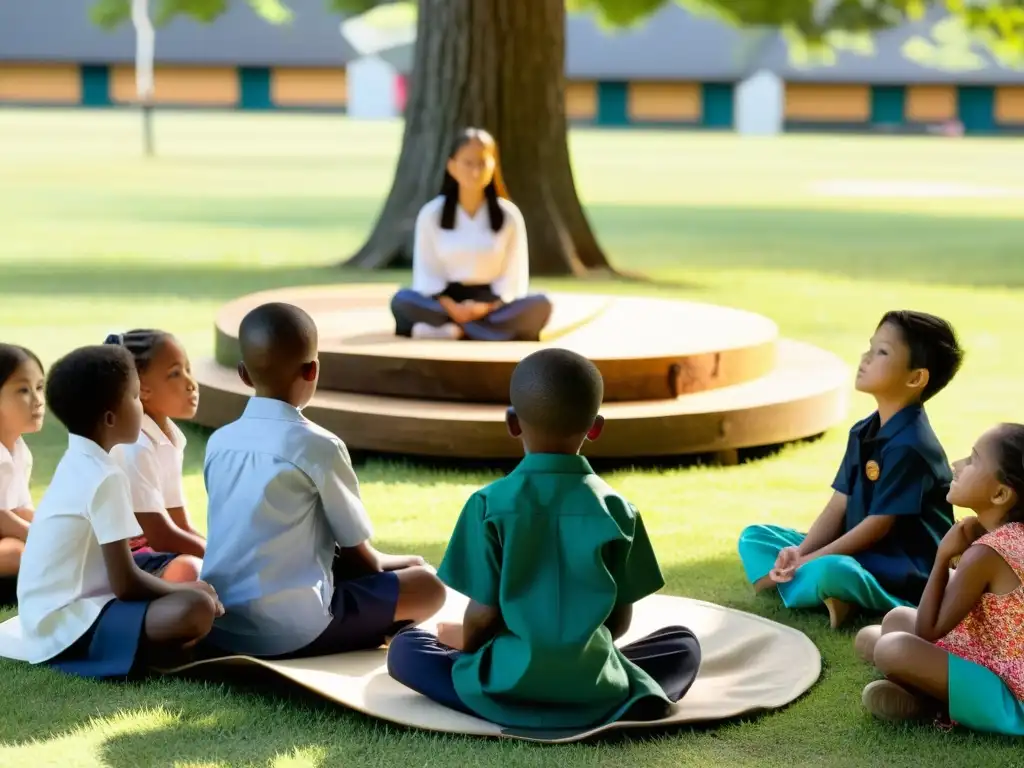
288	546
85	607
552	560
170	547
961	652
873	545
22	406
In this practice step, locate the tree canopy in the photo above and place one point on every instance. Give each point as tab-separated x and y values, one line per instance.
999	24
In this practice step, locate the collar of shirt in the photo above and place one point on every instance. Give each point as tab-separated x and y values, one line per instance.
554	464
86	447
896	424
268	408
152	430
7	457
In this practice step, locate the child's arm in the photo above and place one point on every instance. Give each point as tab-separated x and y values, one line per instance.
129	582
828	527
860	538
179	516
114	524
946	601
619	619
364	560
479	624
163	535
12	525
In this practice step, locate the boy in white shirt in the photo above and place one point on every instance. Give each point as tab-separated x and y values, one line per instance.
288	542
84	605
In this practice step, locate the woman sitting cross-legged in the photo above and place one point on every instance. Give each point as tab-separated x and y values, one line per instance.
470	270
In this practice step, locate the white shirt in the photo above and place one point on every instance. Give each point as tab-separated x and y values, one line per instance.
15	472
154	464
471	253
63	584
282	492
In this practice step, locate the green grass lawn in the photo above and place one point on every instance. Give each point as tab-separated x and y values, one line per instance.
93	238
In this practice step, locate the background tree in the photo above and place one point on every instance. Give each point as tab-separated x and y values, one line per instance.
500	64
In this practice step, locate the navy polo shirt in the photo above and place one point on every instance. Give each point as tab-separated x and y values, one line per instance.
901	470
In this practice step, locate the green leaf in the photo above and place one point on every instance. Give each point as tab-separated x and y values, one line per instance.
353	7
108	14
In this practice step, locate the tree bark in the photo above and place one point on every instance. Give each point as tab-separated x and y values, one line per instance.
497	65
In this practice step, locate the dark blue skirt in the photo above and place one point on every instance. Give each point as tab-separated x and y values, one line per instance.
110	647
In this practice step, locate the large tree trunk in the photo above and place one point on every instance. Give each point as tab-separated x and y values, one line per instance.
498	65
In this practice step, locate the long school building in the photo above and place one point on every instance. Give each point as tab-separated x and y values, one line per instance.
674	70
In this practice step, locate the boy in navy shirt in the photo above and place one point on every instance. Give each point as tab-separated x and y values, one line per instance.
874	544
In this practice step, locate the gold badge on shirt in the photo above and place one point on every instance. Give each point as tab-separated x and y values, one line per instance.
872	470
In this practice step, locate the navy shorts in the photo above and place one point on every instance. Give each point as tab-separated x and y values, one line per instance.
110	647
363	611
153	562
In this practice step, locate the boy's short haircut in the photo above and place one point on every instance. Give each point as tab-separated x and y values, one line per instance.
87	383
933	345
557	391
276	339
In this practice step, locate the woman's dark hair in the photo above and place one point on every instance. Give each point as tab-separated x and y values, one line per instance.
1010	471
142	343
12	357
494	190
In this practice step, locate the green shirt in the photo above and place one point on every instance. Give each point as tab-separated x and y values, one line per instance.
555	549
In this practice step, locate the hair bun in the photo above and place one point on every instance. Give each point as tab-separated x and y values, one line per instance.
114	338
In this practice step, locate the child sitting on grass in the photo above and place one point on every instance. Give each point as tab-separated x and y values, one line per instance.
169	546
289	539
85	606
22	406
552	560
963	649
874	543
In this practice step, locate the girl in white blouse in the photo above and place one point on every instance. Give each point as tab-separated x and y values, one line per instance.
470	263
21	412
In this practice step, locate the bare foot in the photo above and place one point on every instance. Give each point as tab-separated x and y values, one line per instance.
888	701
864	644
764	584
838	611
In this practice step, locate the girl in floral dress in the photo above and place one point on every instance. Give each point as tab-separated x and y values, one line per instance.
962	650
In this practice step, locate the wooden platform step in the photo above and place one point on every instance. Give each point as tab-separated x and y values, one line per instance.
646	348
804	395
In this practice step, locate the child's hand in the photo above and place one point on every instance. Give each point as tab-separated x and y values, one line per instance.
450	633
959	538
210	592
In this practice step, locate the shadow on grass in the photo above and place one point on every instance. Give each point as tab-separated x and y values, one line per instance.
857	245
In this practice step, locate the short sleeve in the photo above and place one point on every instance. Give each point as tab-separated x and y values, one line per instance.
844	477
143	472
472	561
110	511
338	486
172	485
514	282
428	276
634	566
901	485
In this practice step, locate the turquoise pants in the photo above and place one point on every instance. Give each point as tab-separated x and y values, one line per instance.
979	700
837	576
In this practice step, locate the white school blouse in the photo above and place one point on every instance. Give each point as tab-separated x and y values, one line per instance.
471	253
154	465
15	472
63	583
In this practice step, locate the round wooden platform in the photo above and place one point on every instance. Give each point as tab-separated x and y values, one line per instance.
646	348
803	396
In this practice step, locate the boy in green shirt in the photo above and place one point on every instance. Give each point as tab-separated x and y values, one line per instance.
552	560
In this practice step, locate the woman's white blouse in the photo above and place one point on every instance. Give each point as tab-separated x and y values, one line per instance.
471	253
